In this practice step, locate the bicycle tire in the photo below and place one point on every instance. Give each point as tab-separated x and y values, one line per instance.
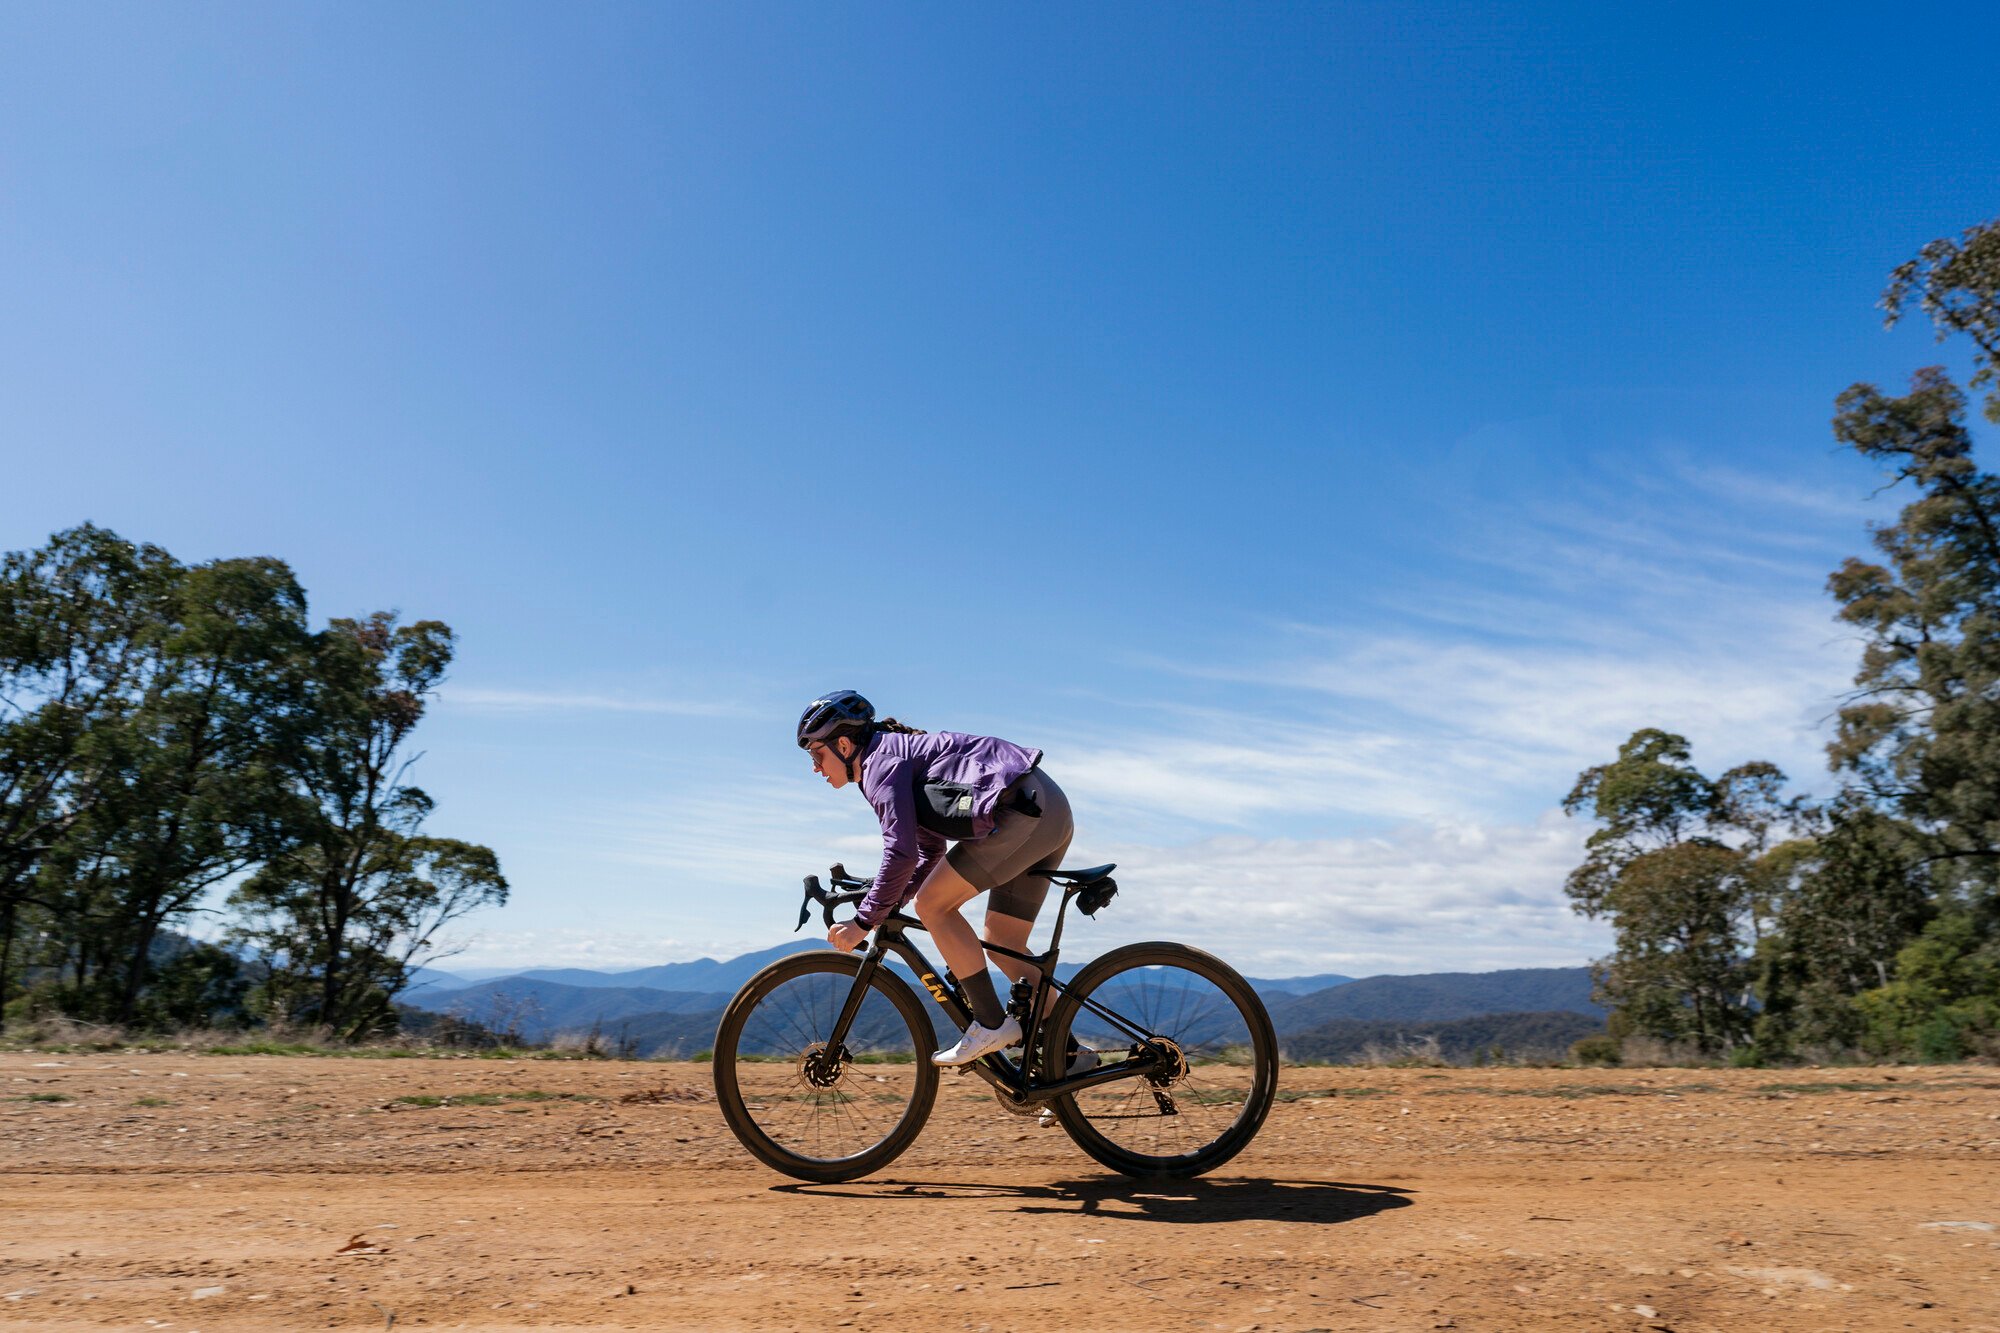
1198	1002
789	1124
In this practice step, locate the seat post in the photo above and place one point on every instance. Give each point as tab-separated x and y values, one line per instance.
1062	913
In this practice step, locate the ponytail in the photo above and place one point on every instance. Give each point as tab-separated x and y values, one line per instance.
901	728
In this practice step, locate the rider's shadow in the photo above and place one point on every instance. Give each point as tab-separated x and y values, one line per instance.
1203	1199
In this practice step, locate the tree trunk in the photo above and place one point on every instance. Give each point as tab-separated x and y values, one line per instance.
7	925
136	967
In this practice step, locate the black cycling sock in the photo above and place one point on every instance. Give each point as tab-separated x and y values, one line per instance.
984	999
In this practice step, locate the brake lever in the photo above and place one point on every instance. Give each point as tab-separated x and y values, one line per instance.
814	894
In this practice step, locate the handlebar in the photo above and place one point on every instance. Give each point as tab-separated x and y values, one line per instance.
847	890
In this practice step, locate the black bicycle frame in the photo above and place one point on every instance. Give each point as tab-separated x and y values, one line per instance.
1011	1080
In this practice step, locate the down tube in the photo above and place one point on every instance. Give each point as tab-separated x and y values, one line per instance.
914	959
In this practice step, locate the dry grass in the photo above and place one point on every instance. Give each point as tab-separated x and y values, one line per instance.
58	1034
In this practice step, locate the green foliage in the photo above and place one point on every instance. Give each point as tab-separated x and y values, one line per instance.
166	728
1682	867
1603	1049
341	917
1874	923
1921	736
1855	892
1957	284
78	644
201	987
1945	1001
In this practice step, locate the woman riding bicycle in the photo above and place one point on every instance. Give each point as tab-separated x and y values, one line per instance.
1008	820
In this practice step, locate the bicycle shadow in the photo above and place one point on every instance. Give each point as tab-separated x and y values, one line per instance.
1202	1200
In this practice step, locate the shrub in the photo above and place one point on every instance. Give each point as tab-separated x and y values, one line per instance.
1604	1050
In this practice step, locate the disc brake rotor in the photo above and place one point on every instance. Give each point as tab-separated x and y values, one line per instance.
819	1067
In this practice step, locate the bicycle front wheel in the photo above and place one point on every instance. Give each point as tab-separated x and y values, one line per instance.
805	1104
1207	1100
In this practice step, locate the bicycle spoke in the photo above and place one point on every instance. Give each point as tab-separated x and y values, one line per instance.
1196	1109
798	1097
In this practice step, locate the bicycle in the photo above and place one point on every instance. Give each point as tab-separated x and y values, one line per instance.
823	1069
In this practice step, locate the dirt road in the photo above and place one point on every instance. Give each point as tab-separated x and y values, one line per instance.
206	1193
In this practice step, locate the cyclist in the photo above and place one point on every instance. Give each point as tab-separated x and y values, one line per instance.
987	795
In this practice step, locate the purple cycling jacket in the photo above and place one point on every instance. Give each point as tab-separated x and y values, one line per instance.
892	767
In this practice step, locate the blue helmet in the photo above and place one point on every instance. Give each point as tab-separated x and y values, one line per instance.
837	713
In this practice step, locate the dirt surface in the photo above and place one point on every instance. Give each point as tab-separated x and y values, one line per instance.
187	1192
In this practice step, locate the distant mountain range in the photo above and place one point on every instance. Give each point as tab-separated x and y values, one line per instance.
703	974
1440	997
1464	1039
671	1011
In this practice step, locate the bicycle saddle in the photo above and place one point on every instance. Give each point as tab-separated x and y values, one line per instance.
1090	876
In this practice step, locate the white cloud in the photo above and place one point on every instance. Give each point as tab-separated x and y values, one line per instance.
1422	726
562	701
1377	795
1441	897
572	946
1752	490
1423	898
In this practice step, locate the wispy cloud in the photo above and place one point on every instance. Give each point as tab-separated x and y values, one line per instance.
1427	724
1758	491
571	946
1379	794
570	701
1419	898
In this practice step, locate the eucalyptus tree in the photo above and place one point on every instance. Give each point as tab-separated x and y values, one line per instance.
197	792
1680	864
78	646
355	901
1956	281
1920	737
1855	890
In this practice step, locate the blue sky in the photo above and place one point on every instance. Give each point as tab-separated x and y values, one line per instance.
1322	430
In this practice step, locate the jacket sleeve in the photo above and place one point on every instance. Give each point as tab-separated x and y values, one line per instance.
908	849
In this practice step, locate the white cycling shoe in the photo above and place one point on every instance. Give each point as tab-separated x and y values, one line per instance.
980	1040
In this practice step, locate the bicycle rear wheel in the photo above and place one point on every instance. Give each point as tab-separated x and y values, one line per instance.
804	1106
1207	1103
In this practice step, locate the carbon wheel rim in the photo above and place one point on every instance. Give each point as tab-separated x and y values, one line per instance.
810	1100
1207	1082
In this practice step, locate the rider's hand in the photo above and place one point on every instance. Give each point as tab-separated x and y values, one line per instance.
846	936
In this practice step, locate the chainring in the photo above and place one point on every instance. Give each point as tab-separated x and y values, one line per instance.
1012	1107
